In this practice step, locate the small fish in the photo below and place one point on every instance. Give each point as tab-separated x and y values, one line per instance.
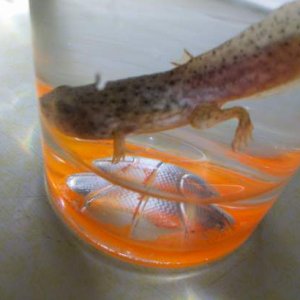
261	58
162	213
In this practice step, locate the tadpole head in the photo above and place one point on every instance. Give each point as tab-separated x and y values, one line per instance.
59	108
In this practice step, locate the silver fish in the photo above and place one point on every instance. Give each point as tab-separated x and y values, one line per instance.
149	217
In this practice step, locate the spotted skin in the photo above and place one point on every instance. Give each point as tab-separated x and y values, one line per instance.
263	57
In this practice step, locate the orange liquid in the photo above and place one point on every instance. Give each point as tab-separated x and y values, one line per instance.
171	249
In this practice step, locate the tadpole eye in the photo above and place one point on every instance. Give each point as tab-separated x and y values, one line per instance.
65	108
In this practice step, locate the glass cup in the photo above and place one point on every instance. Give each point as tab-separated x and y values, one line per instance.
180	197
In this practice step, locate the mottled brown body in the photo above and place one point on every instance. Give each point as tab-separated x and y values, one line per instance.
265	56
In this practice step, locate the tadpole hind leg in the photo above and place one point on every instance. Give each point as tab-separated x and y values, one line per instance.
208	115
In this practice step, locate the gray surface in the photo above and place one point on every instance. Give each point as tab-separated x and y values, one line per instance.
39	259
